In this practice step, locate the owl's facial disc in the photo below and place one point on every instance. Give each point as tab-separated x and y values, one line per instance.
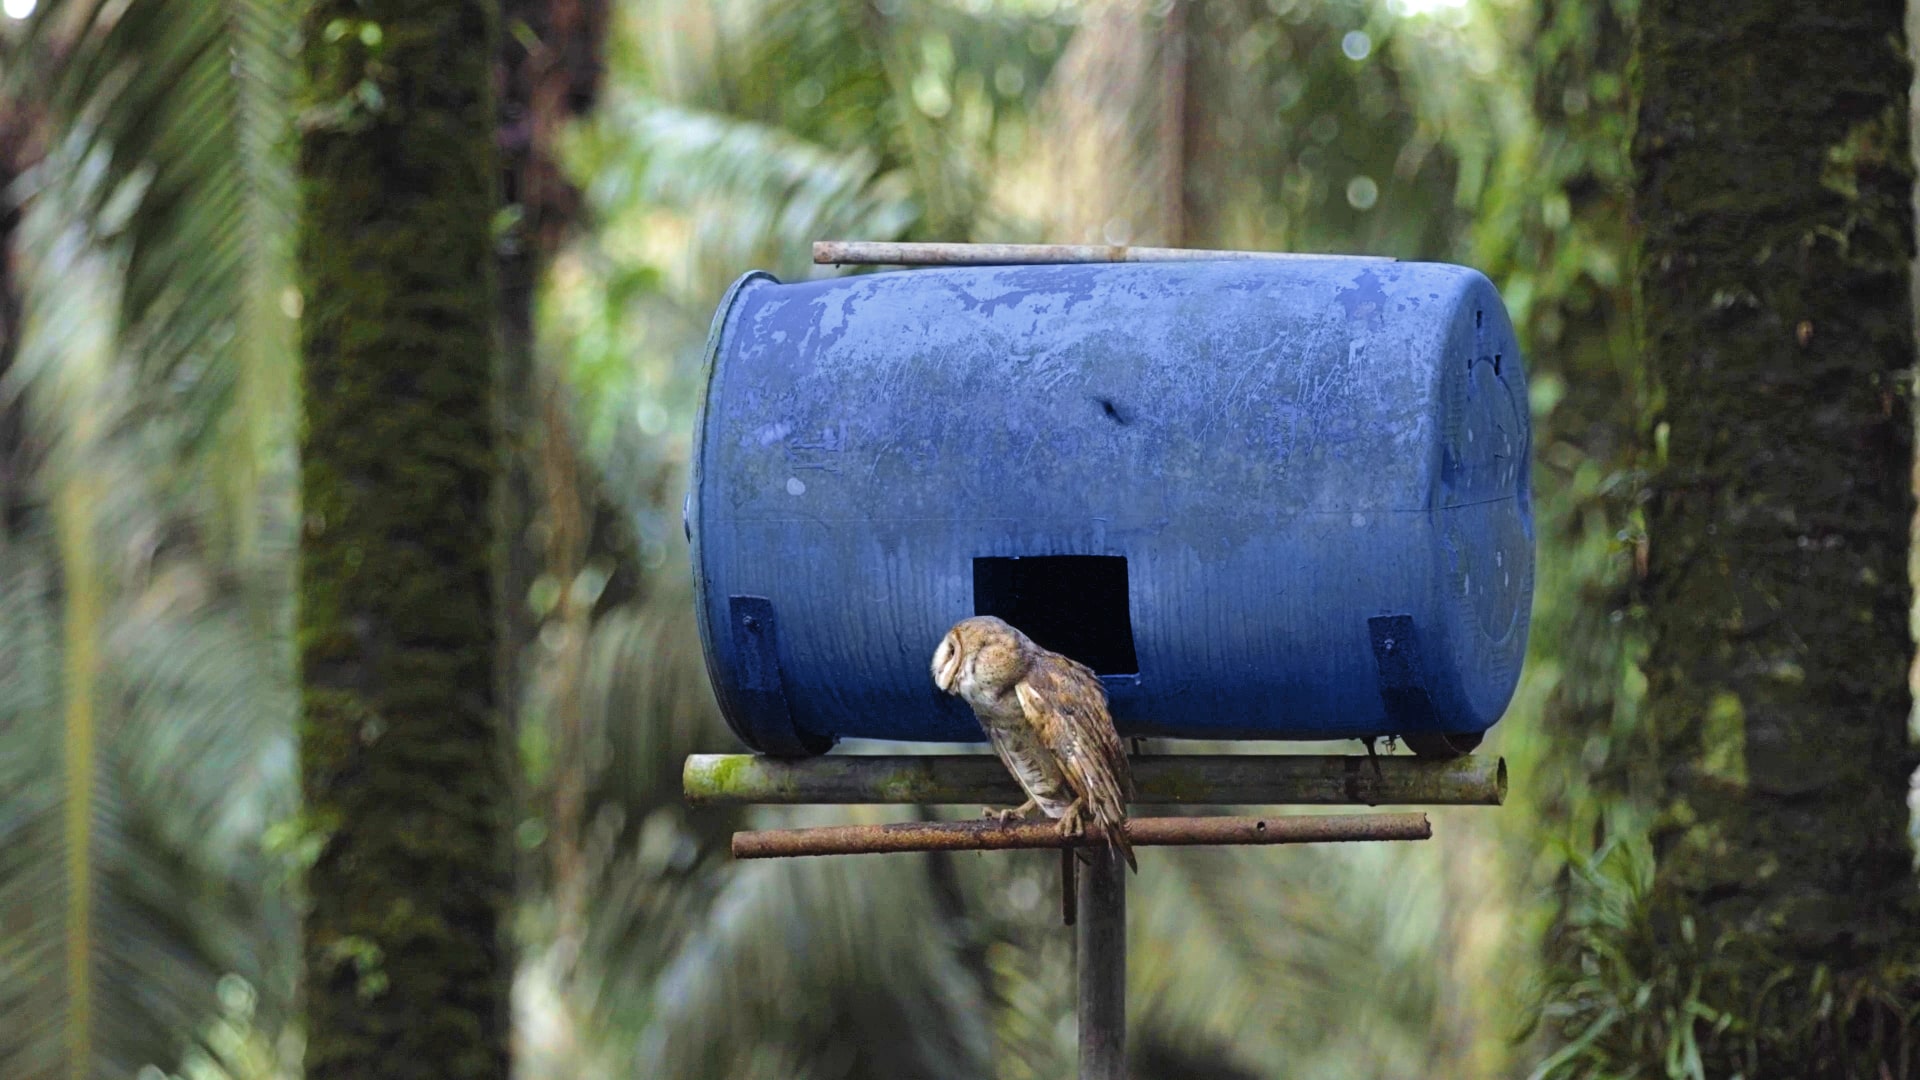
947	663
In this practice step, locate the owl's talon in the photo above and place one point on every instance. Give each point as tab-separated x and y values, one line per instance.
1015	814
1070	824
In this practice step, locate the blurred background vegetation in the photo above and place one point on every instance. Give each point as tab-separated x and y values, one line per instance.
150	846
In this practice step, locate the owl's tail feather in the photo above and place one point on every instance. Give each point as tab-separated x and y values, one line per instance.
1114	831
1117	837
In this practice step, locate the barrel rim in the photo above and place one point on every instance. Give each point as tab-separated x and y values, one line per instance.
1466	635
703	620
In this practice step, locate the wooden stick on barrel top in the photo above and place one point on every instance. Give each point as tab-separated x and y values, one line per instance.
887	253
985	835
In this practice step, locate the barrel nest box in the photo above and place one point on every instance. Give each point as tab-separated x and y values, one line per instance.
1262	499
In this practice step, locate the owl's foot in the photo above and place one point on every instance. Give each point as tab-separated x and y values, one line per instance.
1070	823
1015	814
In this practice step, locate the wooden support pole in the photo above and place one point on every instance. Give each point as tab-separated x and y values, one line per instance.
1159	780
986	835
882	253
1100	953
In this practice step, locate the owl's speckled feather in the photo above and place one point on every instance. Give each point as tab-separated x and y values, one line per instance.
1047	718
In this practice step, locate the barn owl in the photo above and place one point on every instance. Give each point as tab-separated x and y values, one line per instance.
1047	718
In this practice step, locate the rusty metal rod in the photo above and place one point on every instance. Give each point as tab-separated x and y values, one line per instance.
987	835
1159	780
887	253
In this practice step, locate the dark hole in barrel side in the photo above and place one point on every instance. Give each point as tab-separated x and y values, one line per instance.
1072	604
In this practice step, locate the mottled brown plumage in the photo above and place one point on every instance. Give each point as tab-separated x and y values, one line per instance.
1047	718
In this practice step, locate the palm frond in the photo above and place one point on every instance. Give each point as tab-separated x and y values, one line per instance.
808	968
33	958
929	88
848	963
746	194
175	111
150	737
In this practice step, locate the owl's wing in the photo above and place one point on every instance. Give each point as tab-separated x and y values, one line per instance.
1067	707
1075	693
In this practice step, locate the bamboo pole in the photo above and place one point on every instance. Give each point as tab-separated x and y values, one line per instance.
1159	780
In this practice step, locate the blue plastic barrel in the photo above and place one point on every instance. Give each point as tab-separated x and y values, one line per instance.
1264	499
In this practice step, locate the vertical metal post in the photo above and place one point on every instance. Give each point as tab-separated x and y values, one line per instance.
1100	947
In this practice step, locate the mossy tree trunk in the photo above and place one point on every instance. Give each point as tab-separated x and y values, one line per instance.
1772	184
402	765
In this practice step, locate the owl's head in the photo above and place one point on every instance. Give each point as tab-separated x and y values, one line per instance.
981	657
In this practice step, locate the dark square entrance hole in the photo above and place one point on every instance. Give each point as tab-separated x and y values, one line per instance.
1072	604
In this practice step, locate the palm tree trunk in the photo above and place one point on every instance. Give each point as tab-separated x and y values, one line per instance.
549	74
1773	181
19	500
547	66
403	767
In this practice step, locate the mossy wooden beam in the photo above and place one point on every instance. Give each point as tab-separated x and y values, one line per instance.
1173	779
905	836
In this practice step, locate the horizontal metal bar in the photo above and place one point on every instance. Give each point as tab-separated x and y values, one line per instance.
986	835
1161	779
886	253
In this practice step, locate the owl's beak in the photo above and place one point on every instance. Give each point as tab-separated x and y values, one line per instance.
946	664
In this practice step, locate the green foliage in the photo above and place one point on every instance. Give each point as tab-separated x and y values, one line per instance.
169	120
145	708
1652	999
1552	230
754	193
1311	128
145	712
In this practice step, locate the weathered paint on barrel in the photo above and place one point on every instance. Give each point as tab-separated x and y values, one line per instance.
1295	494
